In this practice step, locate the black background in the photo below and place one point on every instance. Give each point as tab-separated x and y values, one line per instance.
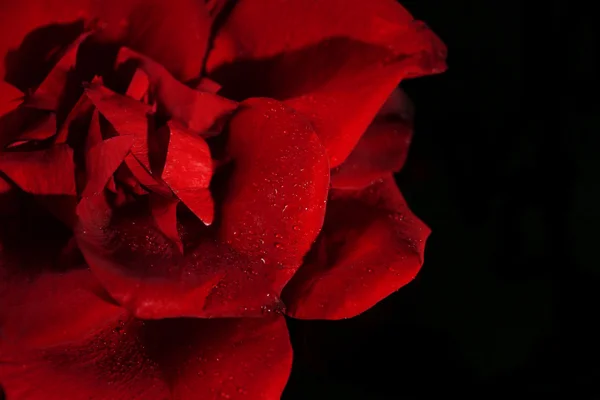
503	169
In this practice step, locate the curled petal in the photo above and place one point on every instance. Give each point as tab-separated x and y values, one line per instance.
345	57
275	200
371	245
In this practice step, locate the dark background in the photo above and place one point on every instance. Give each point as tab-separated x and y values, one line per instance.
503	168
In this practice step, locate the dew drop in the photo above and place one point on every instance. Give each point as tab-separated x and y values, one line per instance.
278	245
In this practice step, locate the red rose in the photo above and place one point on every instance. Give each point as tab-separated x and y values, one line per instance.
175	176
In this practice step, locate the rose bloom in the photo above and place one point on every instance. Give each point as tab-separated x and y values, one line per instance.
178	176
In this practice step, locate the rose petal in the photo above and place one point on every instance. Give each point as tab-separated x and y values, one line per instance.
52	309
382	148
164	211
102	160
41	129
187	164
371	245
174	34
157	360
196	110
146	272
335	61
33	36
44	172
275	202
229	358
10	98
48	94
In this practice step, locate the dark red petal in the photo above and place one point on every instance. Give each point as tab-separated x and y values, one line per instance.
275	202
158	360
382	148
371	245
102	160
42	129
164	211
335	61
50	309
146	272
19	18
188	166
49	93
228	358
196	110
44	172
174	33
112	364
10	97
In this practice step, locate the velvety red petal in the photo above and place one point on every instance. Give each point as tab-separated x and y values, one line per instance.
102	160
335	61
10	97
147	273
47	296
20	18
158	360
275	201
381	149
195	109
186	167
164	211
230	358
43	172
52	308
371	245
41	129
48	94
174	33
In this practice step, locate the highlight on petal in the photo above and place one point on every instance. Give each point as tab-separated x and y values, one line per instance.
345	57
184	164
181	359
197	110
371	245
275	199
43	172
382	149
146	272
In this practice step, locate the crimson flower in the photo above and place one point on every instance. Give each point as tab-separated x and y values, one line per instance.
176	176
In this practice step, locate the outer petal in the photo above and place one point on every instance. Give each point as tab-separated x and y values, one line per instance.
336	61
35	32
371	245
135	360
382	148
44	172
47	296
275	201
